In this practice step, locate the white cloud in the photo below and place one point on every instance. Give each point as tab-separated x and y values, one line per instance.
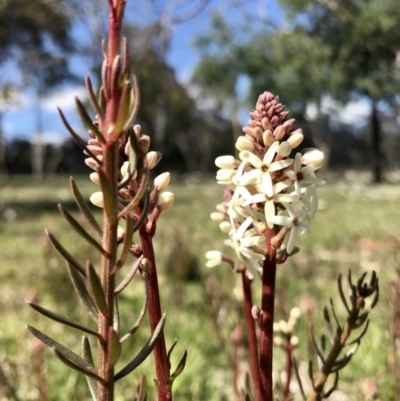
355	112
64	98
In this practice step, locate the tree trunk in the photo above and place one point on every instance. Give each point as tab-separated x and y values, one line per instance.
376	143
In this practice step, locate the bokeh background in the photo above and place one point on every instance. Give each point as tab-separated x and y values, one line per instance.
201	66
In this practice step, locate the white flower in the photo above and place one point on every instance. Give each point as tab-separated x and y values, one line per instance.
242	244
269	202
302	176
295	220
214	258
262	168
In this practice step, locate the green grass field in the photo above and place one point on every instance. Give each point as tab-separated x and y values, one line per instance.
357	228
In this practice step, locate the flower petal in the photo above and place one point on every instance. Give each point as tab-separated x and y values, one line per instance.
250	158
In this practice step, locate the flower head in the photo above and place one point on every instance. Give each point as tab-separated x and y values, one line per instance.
271	190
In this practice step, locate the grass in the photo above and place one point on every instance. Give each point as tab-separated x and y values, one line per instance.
357	228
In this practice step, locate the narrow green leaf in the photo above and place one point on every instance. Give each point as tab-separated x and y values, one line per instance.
87	356
116	321
65	254
62	319
133	150
78	140
73	365
142	313
75	360
138	196
82	292
127	242
102	101
79	229
88	121
178	370
114	347
92	97
96	289
169	353
144	352
145	211
141	393
135	103
110	204
83	207
128	278
123	108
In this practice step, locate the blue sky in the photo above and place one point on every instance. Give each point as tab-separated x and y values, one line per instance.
20	120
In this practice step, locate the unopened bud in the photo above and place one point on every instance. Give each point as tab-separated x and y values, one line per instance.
243	143
255	312
224	176
279	132
214	258
266	123
97	199
151	159
295	312
120	232
226	162
283	327
217	217
268	138
165	200
162	181
225	227
313	158
284	149
144	144
294	341
296	138
124	169
222	208
275	327
90	162
278	341
94	177
145	265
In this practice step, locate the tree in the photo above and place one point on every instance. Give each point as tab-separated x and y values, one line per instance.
363	41
35	38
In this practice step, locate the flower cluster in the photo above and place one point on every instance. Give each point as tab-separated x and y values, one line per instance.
285	329
133	174
272	188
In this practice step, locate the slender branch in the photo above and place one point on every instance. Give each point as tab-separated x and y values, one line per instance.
252	338
267	318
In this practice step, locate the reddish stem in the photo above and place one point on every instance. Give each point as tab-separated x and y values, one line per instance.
266	320
252	338
160	352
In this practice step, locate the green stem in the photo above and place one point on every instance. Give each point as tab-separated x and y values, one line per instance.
108	261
